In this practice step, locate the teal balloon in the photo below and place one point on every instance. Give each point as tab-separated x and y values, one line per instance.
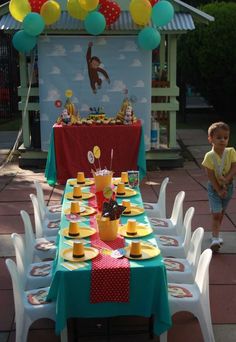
23	42
33	24
162	13
149	38
95	23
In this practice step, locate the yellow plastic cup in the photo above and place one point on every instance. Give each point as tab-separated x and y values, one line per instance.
73	228
131	227
74	208
124	177
120	189
126	203
77	193
80	178
78	249
135	249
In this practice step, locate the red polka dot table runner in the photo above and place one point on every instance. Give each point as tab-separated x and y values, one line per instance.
110	277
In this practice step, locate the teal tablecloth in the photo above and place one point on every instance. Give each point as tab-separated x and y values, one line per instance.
51	168
148	287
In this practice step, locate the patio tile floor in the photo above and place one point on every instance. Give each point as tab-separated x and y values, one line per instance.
15	186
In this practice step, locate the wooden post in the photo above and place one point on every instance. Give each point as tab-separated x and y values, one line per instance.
25	115
172	40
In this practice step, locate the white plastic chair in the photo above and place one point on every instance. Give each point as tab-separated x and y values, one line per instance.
177	246
184	270
26	313
173	225
42	225
194	298
42	248
31	274
50	212
158	209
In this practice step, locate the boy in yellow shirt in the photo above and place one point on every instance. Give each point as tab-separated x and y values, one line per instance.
220	165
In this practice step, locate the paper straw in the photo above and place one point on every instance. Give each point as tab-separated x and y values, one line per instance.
111	158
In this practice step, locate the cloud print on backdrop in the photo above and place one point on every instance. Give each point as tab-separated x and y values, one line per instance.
105	98
77	48
118	86
57	51
139	84
55	71
75	99
101	41
121	57
84	108
130	46
136	63
143	100
53	95
78	77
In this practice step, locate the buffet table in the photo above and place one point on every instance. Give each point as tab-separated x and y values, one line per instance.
69	146
147	289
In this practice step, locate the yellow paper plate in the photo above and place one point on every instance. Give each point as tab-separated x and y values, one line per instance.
84	232
87	182
115	181
85	196
85	212
128	193
134	211
89	253
148	252
142	230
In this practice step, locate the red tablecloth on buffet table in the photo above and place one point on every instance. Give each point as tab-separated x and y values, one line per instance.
72	144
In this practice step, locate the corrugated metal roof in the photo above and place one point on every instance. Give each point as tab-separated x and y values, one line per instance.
180	22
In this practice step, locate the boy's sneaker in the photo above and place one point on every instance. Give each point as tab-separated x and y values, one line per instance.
215	244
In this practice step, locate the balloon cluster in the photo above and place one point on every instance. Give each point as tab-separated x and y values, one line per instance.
34	15
96	14
142	11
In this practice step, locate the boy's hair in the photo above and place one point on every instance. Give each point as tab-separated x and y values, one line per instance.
217	125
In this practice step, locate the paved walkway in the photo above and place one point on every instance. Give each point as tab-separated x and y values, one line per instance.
15	186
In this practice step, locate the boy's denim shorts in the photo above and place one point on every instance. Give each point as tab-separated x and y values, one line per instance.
217	204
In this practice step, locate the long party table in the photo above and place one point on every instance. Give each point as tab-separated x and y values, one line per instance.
69	146
147	293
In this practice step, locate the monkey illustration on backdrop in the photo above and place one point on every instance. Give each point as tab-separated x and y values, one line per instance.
93	63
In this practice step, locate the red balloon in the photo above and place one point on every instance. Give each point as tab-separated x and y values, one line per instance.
153	2
36	5
110	10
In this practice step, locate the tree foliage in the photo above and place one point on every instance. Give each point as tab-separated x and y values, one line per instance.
207	57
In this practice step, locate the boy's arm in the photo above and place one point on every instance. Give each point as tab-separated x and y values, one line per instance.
212	178
221	191
231	173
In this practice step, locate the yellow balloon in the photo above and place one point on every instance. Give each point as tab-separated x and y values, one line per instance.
88	5
50	11
19	9
140	11
75	10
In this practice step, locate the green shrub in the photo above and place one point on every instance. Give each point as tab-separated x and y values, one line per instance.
207	57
